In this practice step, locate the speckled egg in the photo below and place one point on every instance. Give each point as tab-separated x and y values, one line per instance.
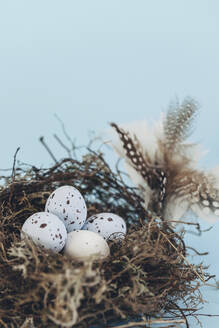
46	230
68	204
108	225
82	244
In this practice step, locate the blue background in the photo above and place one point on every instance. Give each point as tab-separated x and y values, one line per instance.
93	62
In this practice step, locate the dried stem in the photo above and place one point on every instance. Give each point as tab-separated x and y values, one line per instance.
14	165
62	145
48	149
150	322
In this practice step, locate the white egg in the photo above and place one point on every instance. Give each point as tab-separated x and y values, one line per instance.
82	244
46	230
68	204
108	225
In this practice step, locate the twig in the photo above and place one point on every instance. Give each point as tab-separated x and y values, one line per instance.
182	313
210	285
41	139
197	225
207	315
6	170
28	323
66	135
63	128
14	165
185	222
184	258
62	144
198	253
150	322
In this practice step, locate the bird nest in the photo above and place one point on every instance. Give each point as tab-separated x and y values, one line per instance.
146	279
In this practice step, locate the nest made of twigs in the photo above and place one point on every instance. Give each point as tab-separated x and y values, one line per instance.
146	277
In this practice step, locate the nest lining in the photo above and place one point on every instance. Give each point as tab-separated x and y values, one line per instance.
146	276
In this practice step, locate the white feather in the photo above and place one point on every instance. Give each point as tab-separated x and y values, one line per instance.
214	173
204	213
176	208
146	136
137	179
149	138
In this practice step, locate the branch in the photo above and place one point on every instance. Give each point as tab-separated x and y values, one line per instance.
14	165
41	139
62	144
150	322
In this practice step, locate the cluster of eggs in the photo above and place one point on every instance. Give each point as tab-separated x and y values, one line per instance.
64	224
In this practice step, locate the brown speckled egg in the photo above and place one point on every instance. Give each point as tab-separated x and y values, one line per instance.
108	225
46	230
67	203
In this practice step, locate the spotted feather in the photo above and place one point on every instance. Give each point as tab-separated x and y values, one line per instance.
164	165
154	176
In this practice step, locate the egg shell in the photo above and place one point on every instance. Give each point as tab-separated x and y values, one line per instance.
46	230
108	225
68	204
81	244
